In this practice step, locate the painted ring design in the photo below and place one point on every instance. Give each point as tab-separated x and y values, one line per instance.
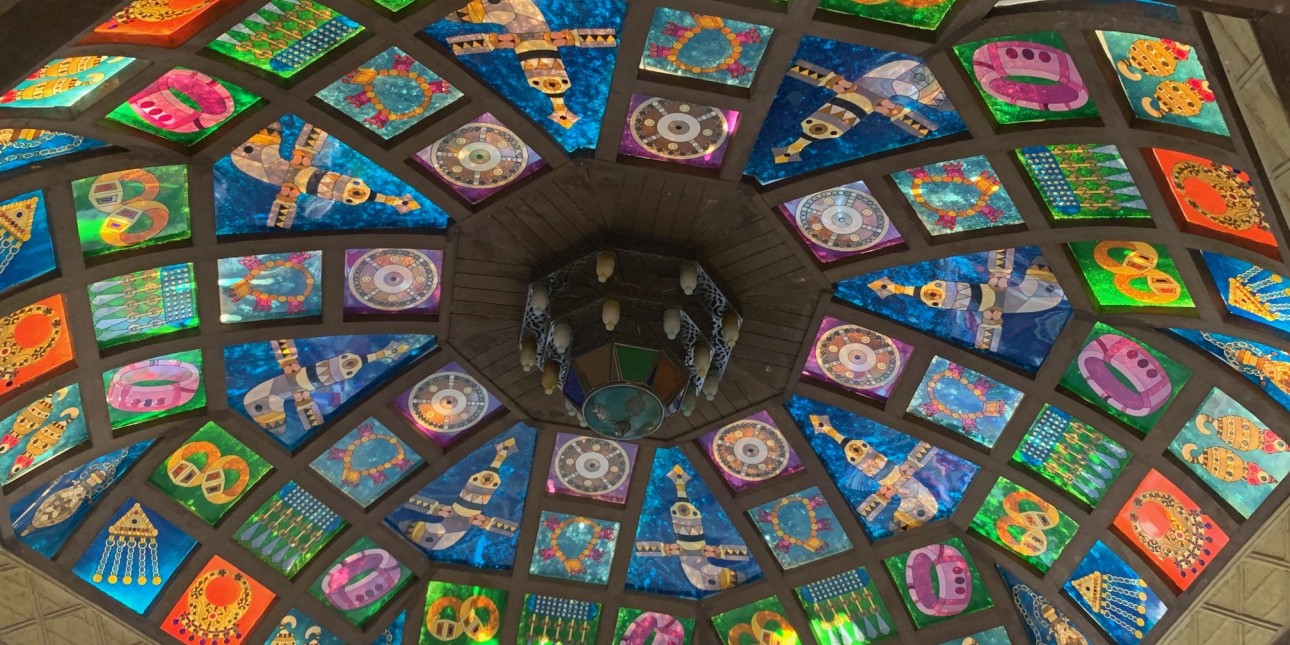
361	579
170	383
1125	375
1005	67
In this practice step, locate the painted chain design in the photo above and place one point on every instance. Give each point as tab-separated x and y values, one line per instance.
211	477
1242	207
1032	522
465	620
264	300
1140	262
350	475
574	564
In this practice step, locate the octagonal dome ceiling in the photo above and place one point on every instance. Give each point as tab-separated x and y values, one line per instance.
964	323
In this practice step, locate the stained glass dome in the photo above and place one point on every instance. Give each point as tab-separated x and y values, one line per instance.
973	325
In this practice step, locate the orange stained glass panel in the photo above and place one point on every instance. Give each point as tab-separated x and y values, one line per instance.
34	342
1214	200
1169	530
163	23
222	605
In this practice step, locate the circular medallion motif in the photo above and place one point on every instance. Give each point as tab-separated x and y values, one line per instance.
393	279
623	411
842	219
592	466
857	357
480	155
750	450
448	402
678	130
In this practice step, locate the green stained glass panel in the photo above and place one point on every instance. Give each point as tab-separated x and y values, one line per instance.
926	15
846	608
1124	377
133	208
1027	77
143	304
361	582
760	621
648	627
450	608
1071	455
929	598
1084	181
547	620
1129	275
1024	523
289	529
395	5
211	453
285	36
184	106
155	388
635	363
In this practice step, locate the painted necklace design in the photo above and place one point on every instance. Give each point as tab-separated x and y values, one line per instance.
1182	537
1242	211
352	476
264	300
682	35
590	549
31	422
135	537
848	601
1121	600
154	11
788	540
979	388
952	180
15	356
28	143
213	612
400	73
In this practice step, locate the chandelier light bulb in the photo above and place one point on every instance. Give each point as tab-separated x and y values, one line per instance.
710	388
605	261
688	401
689	278
550	376
730	328
528	354
563	337
610	313
671	323
539	297
702	360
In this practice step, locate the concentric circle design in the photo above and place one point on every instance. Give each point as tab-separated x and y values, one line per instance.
393	279
448	402
678	130
751	450
591	465
480	155
842	219
857	357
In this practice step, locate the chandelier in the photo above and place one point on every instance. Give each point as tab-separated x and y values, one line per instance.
628	337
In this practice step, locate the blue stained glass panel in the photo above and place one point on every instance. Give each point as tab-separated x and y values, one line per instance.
573	547
817	121
390	93
1114	595
1250	291
965	401
353	192
135	556
296	628
930	493
44	518
393	633
956	196
800	528
264	287
1044	623
67	84
46	428
25	146
937	296
340	370
496	472
566	91
993	636
366	462
689	573
1232	452
26	250
709	48
1263	364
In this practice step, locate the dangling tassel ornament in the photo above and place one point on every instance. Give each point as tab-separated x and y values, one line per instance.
134	537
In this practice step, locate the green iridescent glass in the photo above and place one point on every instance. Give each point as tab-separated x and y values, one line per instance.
289	529
1084	181
846	608
1027	77
1127	275
220	102
634	624
143	304
211	453
1124	377
361	582
929	598
450	608
1024	523
760	621
1071	455
131	208
155	388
